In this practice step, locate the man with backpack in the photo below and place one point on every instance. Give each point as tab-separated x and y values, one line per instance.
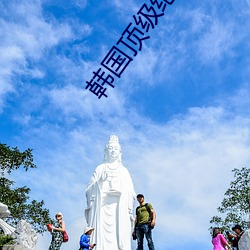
144	223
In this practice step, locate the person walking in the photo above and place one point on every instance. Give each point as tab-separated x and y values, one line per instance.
218	240
85	239
56	231
144	223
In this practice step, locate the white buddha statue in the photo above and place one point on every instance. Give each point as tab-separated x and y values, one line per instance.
110	197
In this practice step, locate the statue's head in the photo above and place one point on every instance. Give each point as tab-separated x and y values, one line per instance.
113	150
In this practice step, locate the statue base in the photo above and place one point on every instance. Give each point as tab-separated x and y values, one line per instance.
12	247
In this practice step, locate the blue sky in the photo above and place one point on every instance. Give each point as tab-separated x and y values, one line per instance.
180	109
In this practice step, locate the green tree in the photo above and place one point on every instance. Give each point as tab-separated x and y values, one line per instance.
235	207
17	199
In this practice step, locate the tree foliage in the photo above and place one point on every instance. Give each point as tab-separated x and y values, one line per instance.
235	206
12	159
6	239
17	199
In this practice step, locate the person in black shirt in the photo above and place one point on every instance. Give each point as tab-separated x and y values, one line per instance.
236	237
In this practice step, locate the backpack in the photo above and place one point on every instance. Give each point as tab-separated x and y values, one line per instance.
149	212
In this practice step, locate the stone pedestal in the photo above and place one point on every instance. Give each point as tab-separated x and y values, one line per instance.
244	242
13	247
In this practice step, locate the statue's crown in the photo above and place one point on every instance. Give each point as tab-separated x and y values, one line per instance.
114	138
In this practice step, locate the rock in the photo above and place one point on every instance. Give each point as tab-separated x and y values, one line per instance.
244	242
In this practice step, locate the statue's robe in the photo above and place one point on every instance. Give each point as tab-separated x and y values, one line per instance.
110	197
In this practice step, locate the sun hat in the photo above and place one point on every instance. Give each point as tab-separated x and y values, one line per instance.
87	229
59	213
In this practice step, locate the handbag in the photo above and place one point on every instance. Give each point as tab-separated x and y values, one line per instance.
49	227
65	236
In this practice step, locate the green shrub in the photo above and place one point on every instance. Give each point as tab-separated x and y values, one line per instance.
6	240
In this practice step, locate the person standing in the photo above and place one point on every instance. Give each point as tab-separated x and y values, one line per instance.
85	239
56	231
143	225
218	240
239	231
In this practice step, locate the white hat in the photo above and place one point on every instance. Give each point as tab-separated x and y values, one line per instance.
59	213
87	229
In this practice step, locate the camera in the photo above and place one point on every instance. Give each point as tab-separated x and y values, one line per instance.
134	235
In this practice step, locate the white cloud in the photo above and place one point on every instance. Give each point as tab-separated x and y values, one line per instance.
81	3
25	35
32	33
126	11
216	43
201	34
72	100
